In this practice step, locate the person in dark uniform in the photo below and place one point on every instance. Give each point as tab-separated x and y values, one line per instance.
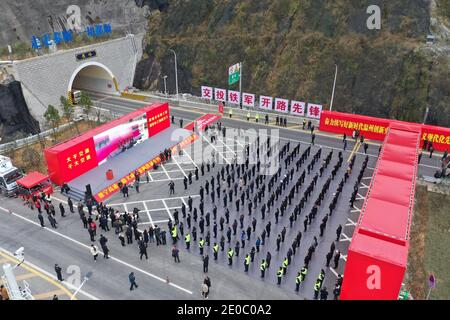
268	258
70	203
328	257
324	294
338	232
205	263
336	259
41	219
58	271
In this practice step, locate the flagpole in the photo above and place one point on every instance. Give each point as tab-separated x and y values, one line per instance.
240	85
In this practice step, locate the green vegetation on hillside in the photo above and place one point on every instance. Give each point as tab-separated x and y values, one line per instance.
289	49
430	238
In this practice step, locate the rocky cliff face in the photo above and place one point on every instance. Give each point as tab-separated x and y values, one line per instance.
289	49
19	20
15	119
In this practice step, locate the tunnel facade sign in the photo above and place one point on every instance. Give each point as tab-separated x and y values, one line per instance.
86	55
66	36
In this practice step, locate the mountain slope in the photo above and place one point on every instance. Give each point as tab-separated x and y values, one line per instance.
289	49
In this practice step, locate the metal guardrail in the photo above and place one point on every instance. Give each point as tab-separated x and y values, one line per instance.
8	146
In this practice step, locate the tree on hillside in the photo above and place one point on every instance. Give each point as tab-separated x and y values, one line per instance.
52	117
86	104
68	112
31	159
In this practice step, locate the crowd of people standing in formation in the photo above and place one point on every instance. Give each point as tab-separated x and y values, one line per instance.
235	185
240	184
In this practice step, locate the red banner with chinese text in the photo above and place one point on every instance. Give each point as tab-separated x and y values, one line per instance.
203	121
77	160
376	128
158	119
439	136
369	127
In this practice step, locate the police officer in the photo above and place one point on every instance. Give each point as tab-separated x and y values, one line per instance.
280	274
263	267
230	256
285	264
317	286
298	280
246	262
303	273
201	245
215	250
174	232
187	239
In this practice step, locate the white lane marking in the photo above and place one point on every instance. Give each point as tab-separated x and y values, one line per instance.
154	200
346	237
334	272
160	180
168	210
214	147
157	221
148	214
351	222
88	247
176	162
223	143
364	186
356	209
165	171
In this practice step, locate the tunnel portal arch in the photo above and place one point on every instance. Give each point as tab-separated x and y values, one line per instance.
93	76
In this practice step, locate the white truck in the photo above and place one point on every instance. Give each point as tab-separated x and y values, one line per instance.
8	176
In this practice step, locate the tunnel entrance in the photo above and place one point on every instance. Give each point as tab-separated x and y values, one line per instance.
93	76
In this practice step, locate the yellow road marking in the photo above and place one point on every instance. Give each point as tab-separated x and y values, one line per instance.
49	294
38	273
3	260
355	149
25	276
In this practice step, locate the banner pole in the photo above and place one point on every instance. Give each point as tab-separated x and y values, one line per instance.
240	85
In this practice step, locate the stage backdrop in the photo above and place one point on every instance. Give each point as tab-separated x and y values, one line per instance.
376	128
72	158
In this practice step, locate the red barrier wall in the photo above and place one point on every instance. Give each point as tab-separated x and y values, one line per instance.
378	252
72	158
376	128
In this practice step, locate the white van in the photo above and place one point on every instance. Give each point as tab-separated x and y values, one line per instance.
8	176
